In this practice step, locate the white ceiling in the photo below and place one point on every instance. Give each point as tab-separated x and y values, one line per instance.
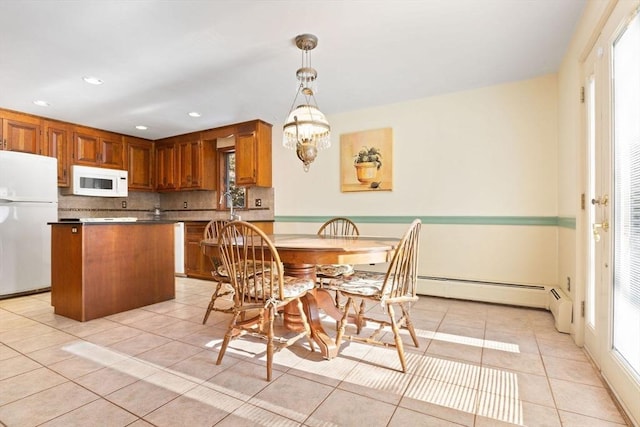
234	61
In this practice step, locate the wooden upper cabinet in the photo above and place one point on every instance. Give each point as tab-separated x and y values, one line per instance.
246	159
97	148
190	164
185	162
85	149
58	145
139	163
20	132
253	154
112	151
166	166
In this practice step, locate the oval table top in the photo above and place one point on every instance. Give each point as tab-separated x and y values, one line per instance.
314	249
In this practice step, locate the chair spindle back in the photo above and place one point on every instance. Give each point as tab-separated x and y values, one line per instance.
247	254
339	226
400	280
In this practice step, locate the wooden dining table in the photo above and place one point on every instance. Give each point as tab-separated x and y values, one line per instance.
300	253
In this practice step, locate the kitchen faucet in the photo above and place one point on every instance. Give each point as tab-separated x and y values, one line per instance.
233	216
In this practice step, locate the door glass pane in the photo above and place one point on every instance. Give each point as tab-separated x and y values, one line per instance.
626	114
591	156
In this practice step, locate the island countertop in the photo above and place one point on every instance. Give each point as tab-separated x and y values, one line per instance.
106	221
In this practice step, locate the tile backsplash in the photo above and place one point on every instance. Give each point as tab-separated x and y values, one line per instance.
200	206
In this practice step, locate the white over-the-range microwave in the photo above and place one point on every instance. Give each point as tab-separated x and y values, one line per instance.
99	182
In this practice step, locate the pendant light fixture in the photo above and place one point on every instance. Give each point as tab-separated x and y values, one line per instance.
306	129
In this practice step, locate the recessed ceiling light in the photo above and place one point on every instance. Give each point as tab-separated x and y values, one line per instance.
195	114
92	80
41	103
141	127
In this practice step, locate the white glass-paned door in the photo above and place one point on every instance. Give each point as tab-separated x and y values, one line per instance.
611	326
626	237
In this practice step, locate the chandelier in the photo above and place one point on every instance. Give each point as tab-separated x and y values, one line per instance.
306	129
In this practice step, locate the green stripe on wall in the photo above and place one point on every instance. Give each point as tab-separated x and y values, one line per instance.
548	221
565	222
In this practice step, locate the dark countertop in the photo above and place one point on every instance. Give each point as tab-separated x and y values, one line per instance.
115	221
206	220
76	221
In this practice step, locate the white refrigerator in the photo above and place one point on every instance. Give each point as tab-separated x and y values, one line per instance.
28	201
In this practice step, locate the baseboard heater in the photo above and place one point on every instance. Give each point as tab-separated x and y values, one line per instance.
526	295
561	307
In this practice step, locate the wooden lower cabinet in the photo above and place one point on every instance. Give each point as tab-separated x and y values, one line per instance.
100	269
196	264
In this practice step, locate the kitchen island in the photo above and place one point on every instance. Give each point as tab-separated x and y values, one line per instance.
103	268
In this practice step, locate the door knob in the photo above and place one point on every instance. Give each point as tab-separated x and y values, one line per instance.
604	225
601	201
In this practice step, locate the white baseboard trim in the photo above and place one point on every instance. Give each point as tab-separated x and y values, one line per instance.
501	293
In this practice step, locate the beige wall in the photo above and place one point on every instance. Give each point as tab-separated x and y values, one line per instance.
486	152
490	151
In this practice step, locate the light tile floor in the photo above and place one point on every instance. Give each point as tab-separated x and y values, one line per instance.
477	365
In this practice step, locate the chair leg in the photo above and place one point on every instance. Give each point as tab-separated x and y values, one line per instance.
212	303
337	299
270	334
339	306
343	323
359	315
209	309
409	325
397	337
305	322
227	338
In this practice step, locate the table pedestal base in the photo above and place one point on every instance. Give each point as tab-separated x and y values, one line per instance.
313	301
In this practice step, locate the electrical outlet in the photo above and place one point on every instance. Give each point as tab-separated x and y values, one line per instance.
124	204
185	205
258	203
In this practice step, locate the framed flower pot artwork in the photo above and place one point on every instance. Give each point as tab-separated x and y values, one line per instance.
366	160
